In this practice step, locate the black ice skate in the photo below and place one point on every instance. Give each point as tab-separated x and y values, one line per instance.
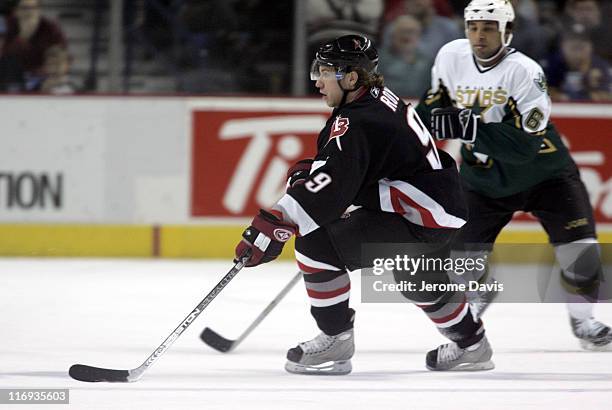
323	355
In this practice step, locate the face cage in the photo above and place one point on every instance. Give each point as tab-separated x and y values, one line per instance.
315	74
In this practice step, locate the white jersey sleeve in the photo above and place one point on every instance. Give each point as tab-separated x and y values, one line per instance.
435	76
445	62
533	103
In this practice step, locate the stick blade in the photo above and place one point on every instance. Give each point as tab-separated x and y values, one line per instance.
216	341
92	374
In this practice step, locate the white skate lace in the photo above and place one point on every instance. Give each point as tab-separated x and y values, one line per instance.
318	344
449	352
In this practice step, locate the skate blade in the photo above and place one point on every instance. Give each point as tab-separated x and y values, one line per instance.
467	367
338	368
592	347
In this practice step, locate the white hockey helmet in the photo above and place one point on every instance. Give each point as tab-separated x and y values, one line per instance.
500	11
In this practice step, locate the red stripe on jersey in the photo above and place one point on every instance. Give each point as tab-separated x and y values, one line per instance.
308	269
328	295
426	216
451	316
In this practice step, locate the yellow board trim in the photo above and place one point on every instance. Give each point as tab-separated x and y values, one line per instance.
183	241
180	241
76	240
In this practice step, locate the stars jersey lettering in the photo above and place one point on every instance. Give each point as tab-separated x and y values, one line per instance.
516	145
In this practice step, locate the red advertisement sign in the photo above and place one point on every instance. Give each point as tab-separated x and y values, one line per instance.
240	158
590	143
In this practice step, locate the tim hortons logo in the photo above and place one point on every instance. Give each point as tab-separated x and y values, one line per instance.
593	159
241	159
599	189
592	155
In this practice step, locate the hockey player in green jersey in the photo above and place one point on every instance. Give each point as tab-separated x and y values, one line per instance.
494	100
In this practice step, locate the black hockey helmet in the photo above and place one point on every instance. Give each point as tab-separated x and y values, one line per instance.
345	53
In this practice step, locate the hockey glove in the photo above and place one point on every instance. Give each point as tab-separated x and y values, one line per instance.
298	172
265	237
454	123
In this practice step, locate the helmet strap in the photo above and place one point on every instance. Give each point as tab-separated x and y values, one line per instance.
507	42
502	48
345	91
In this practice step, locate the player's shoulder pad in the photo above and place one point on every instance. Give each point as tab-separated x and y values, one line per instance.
459	46
527	69
521	62
387	101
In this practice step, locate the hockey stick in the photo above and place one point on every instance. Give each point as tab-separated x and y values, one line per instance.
220	343
86	373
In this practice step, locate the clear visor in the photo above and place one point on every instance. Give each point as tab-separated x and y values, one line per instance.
319	70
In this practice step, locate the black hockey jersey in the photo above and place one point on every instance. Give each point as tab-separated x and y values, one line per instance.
376	153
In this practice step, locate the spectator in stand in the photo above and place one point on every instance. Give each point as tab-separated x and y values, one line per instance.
11	73
458	7
236	46
589	14
263	58
395	8
155	18
6	6
328	19
576	72
406	69
528	9
437	30
209	57
56	68
528	34
29	36
549	13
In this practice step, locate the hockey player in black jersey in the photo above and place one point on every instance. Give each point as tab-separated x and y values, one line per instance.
377	177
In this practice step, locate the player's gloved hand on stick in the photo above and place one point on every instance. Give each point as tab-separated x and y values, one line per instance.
265	237
298	172
454	123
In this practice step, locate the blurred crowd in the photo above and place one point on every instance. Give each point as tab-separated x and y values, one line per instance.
33	50
246	46
570	39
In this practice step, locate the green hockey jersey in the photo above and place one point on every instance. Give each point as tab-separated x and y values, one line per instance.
516	146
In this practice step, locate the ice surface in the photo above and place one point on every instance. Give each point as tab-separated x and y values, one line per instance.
114	313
